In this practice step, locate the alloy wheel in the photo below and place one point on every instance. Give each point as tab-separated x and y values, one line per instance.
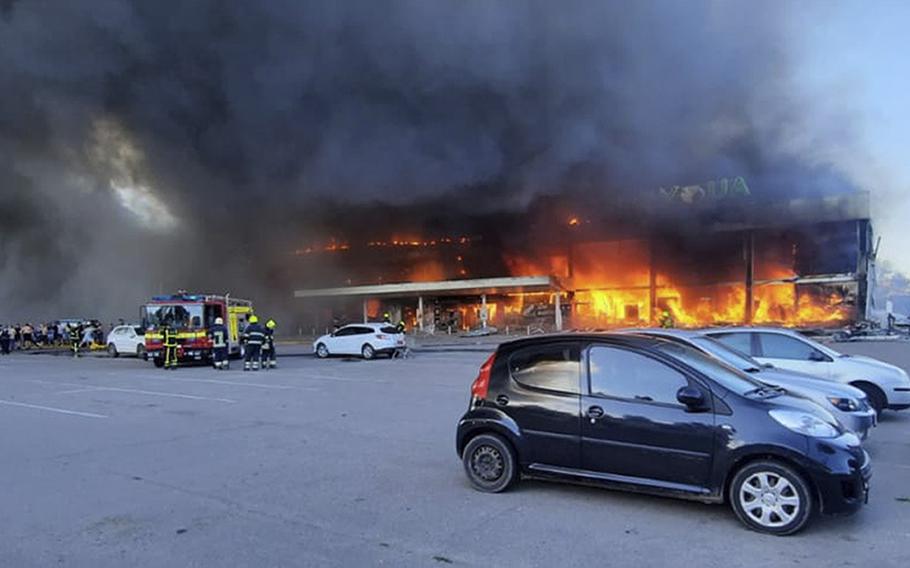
769	499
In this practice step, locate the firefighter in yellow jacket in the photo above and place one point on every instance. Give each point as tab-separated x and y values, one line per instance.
169	338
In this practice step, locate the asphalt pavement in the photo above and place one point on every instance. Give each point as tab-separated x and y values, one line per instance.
111	462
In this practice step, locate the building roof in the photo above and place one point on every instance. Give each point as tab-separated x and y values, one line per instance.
471	287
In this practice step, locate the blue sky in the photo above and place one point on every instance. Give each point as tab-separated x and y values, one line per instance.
856	61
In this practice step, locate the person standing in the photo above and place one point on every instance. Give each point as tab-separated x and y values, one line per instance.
4	340
269	360
253	337
169	339
218	333
75	332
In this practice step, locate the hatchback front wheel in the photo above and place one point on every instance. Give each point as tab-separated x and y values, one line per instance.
771	497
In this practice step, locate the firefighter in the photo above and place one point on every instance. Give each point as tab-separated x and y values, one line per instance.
268	347
169	338
401	327
218	333
666	320
253	337
387	318
75	331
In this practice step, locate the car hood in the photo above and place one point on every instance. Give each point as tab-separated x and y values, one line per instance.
859	367
794	380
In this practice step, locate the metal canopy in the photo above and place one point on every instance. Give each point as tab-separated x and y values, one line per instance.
472	287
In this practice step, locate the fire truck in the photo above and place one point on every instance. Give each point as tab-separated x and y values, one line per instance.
191	316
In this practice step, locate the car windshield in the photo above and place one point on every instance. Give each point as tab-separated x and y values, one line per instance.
727	354
729	377
176	315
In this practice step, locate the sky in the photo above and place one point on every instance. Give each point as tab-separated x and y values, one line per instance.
858	54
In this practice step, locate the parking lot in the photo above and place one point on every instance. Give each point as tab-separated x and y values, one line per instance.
111	462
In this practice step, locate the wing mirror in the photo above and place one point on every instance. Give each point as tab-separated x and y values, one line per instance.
691	397
818	357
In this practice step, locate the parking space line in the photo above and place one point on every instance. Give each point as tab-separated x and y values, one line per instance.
168	394
52	409
137	391
218	382
74	391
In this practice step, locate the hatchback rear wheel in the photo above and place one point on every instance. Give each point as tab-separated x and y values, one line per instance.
771	497
490	463
368	352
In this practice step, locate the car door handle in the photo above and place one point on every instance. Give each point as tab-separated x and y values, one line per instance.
502	400
595	412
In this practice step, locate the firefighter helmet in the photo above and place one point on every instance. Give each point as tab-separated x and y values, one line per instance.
254	319
219	321
270	324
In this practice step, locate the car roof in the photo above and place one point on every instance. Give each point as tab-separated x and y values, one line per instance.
745	329
657	331
373	324
627	339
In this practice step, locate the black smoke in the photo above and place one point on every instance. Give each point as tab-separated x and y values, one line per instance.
255	122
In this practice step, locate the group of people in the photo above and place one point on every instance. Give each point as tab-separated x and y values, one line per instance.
15	337
258	343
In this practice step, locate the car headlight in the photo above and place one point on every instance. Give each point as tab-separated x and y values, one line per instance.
804	423
844	403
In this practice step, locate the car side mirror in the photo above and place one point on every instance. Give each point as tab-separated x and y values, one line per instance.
818	357
691	397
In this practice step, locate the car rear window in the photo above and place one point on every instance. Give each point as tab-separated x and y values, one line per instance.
388	329
553	367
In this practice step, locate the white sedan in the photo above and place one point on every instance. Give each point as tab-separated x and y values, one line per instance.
886	386
364	339
126	340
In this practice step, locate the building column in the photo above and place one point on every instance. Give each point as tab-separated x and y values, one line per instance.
365	311
749	256
483	311
420	313
558	303
652	283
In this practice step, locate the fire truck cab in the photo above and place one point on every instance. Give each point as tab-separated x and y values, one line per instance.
192	315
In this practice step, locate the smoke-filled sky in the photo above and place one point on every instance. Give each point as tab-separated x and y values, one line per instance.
146	146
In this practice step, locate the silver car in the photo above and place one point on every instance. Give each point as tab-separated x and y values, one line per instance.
848	404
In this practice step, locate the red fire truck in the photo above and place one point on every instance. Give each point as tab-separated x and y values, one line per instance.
192	315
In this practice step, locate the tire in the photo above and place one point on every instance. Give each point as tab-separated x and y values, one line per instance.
112	350
159	361
367	351
876	397
490	463
322	351
140	352
771	497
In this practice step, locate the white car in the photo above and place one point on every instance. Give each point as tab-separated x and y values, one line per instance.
886	386
364	339
126	340
848	404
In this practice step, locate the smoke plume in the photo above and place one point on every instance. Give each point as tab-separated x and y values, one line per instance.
146	146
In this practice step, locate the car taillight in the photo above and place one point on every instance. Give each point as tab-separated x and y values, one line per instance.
381	336
481	384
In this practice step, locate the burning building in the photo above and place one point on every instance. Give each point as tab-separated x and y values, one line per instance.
701	255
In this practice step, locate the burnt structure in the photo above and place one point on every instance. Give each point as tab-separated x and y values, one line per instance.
694	258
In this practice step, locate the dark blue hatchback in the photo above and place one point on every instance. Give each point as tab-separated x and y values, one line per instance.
646	415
